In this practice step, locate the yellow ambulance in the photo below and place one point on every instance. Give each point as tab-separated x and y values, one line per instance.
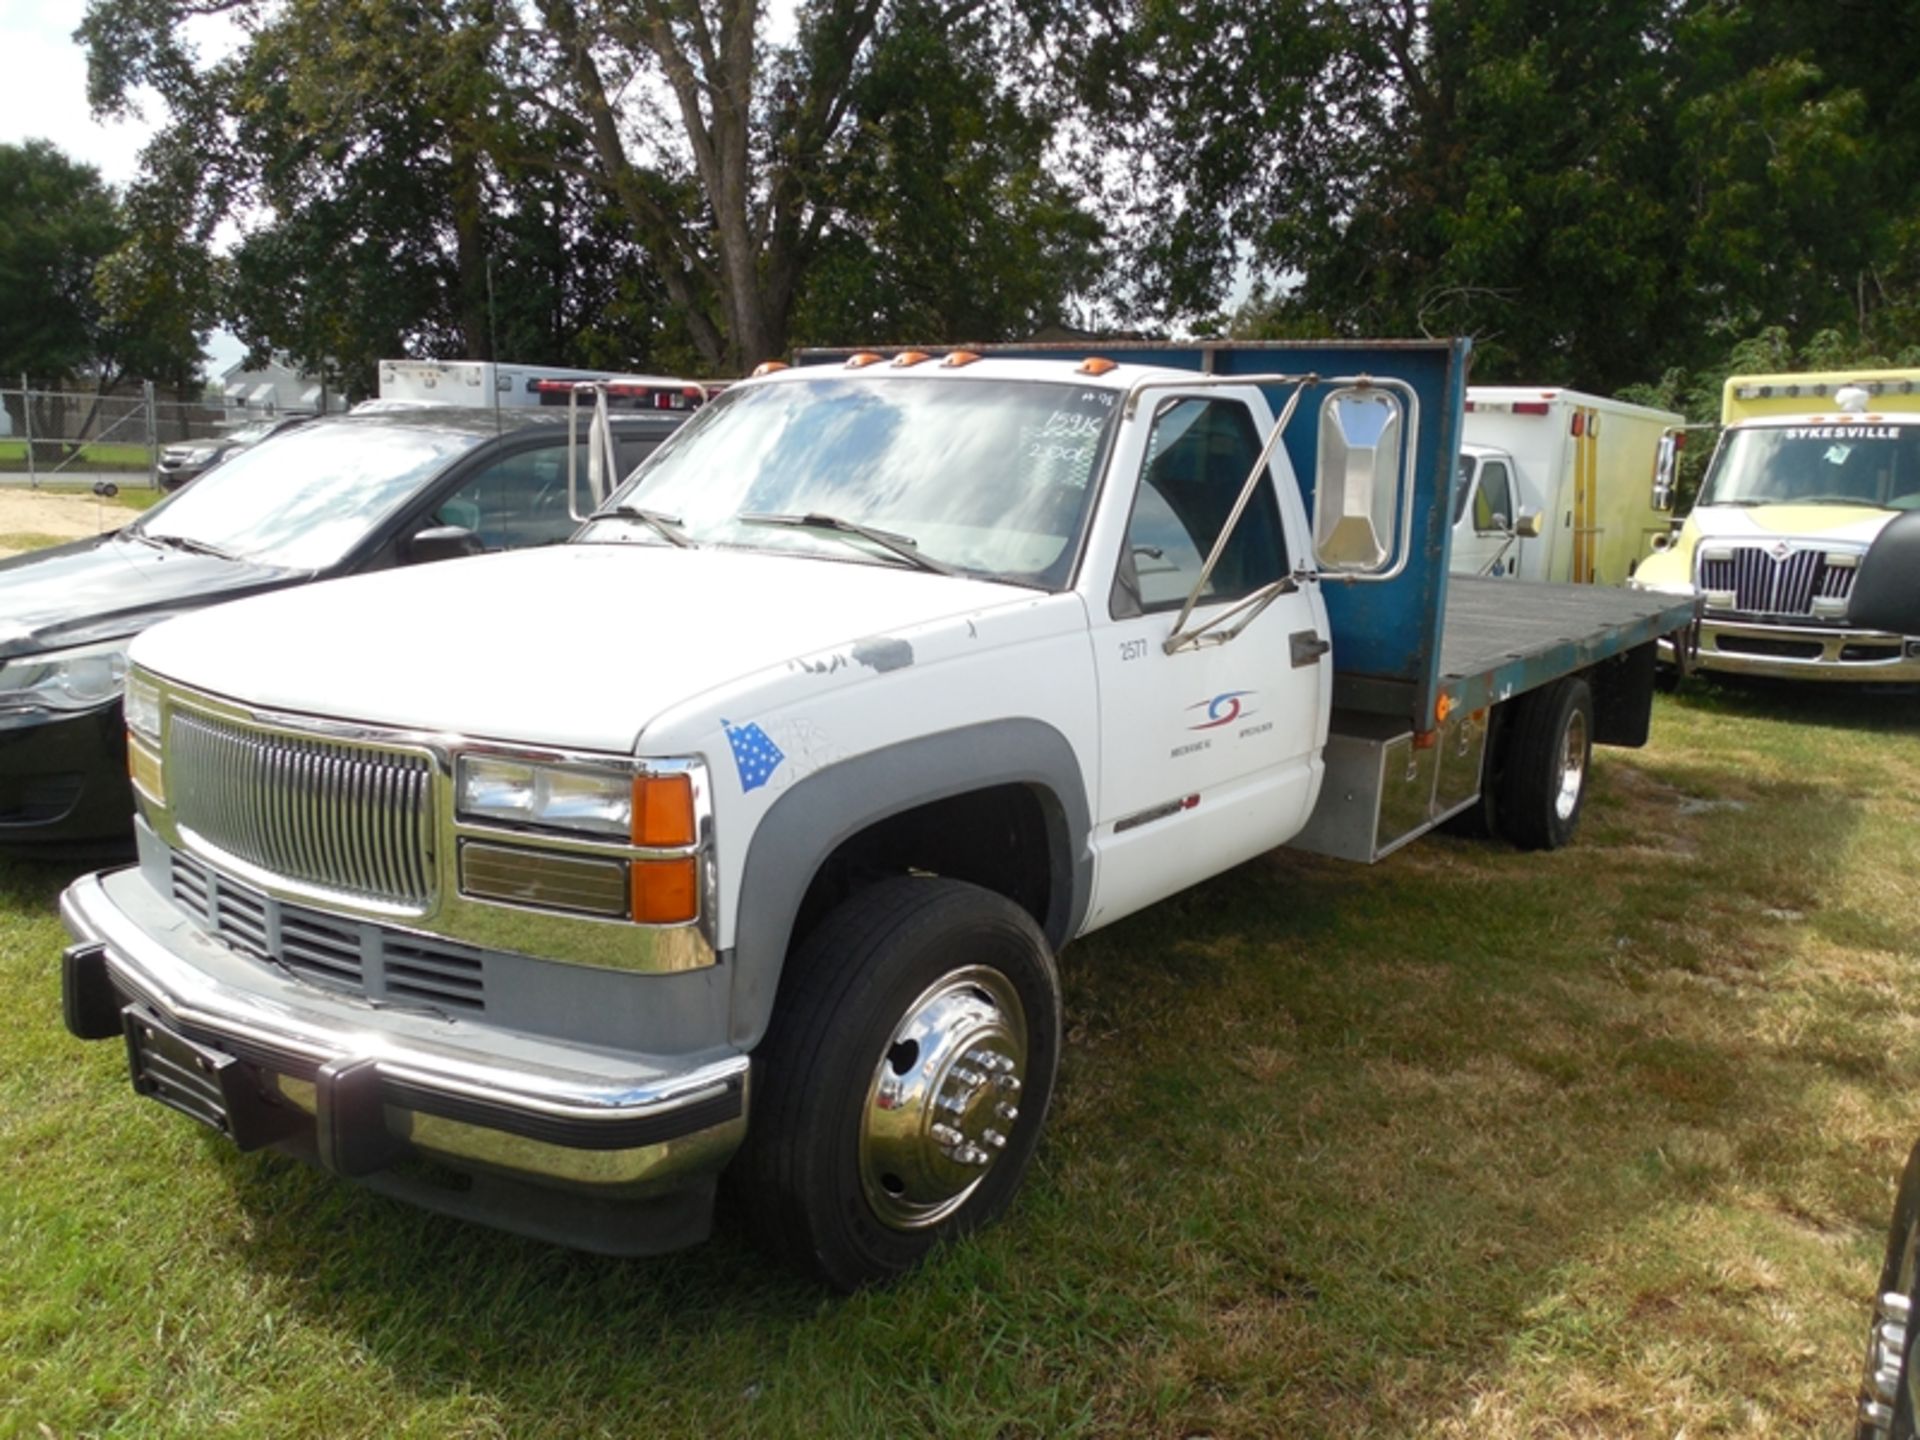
1810	467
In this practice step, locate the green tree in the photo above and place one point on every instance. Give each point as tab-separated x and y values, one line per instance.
58	221
413	136
1594	193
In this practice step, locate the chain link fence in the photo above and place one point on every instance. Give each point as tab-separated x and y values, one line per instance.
80	437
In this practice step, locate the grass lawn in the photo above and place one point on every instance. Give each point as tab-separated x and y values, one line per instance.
1468	1144
97	455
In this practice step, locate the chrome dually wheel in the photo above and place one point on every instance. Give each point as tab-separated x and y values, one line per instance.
899	1095
945	1096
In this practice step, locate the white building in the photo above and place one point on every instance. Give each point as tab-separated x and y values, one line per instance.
276	388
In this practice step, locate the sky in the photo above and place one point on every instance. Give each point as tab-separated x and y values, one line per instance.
43	96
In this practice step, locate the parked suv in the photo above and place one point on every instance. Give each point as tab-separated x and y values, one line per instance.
340	496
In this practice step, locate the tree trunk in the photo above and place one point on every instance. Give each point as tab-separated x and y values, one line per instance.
472	302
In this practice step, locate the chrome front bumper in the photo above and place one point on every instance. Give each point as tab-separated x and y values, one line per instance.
1803	652
363	1089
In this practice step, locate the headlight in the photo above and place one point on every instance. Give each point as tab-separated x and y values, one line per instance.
558	797
142	704
64	680
203	454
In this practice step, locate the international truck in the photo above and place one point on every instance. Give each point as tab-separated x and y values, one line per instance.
740	834
1559	485
1809	469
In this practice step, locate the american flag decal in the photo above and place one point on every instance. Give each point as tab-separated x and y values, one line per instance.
754	754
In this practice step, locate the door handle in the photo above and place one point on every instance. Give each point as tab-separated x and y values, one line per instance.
1307	648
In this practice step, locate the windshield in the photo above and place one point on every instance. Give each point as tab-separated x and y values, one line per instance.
991	477
1875	465
307	499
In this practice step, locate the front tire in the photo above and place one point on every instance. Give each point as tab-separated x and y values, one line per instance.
1886	1388
900	1094
1543	782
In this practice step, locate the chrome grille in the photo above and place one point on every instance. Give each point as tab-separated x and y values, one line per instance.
341	817
1762	585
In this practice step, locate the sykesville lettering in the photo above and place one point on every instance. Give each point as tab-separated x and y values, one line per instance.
1845	432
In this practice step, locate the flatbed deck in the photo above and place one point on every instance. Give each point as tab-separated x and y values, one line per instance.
1501	638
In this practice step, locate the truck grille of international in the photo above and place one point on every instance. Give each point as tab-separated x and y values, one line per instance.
341	817
1766	580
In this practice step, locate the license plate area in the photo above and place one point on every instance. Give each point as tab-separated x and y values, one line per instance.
218	1090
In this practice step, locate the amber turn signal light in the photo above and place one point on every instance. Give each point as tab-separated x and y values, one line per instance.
666	892
663	811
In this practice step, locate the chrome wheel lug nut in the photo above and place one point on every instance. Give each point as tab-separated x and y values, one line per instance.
995	1139
946	1135
1007	1112
1010	1084
953	1104
972	1079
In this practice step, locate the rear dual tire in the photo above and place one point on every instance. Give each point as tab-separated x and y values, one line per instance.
1547	760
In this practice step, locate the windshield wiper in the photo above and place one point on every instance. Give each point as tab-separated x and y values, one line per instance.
667	527
188	544
903	546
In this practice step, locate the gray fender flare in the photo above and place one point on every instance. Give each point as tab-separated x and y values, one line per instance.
812	819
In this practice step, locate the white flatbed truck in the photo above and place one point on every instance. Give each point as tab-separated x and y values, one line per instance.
741	832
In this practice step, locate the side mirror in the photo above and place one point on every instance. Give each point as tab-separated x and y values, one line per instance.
1886	591
1666	468
1356	493
1528	527
442	542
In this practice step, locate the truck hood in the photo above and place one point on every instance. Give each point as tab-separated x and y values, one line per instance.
576	646
1846	524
